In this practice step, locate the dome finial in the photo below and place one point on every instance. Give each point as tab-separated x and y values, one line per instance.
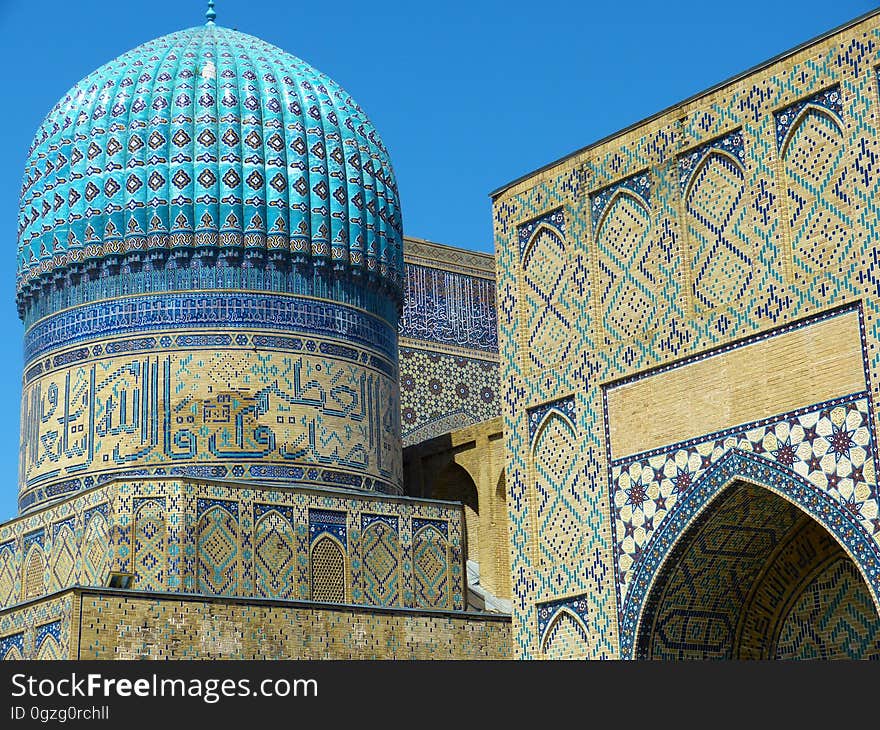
211	14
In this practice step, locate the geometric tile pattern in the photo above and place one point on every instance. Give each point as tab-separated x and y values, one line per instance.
182	534
784	241
381	565
817	198
41	629
830	446
328	570
631	266
275	553
547	287
557	491
207	141
218	551
150	548
46	642
561	626
718	217
448	341
64	549
565	638
95	542
441	392
699	604
431	567
841	523
834	618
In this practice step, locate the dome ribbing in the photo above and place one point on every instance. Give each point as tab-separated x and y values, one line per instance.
206	147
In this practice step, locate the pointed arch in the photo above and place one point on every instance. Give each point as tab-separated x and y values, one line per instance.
818	199
217	551
8	570
799	119
545	296
150	544
738	467
630	268
542	227
63	556
275	556
565	637
431	568
33	583
328	570
555	491
612	202
95	548
719	256
381	560
455	483
49	650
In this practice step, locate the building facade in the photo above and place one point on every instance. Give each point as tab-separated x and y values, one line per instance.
258	422
211	277
689	345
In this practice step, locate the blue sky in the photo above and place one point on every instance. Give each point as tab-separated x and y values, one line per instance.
466	95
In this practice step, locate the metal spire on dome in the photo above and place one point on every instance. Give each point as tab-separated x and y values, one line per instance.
211	14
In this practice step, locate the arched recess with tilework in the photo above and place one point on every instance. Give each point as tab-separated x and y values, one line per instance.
454	483
33	582
431	568
818	199
565	637
150	545
328	572
545	294
381	572
746	571
555	491
630	268
275	556
217	551
49	649
719	250
12	654
63	557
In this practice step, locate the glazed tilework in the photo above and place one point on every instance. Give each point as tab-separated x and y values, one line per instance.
558	618
830	447
236	539
750	580
834	618
796	217
221	402
44	629
206	145
95	624
448	341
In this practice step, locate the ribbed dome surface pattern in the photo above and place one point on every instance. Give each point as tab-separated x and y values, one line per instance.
206	147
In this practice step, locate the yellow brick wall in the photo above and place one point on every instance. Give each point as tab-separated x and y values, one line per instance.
128	625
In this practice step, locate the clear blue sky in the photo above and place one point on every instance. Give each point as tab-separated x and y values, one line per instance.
467	95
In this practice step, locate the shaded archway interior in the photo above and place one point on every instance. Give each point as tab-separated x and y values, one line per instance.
756	578
455	484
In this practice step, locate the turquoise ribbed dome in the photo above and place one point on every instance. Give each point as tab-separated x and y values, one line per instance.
206	147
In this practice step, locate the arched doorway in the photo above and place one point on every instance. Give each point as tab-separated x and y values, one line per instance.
455	484
755	577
